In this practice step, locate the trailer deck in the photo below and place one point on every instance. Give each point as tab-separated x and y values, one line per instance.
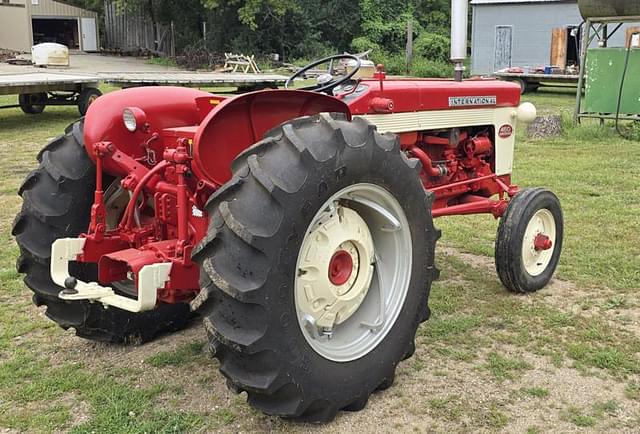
192	79
34	82
530	82
37	90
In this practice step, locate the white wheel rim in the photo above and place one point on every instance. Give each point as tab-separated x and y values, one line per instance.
535	259
346	321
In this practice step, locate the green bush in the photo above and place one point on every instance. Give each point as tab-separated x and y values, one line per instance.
432	46
362	44
428	68
396	64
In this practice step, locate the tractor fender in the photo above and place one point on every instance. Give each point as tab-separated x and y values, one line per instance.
164	106
237	123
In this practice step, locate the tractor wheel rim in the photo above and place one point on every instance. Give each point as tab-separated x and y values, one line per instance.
353	272
534	258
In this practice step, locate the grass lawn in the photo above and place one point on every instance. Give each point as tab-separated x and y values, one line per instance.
564	359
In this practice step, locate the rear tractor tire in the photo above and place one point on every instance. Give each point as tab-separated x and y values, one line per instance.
529	241
57	199
317	267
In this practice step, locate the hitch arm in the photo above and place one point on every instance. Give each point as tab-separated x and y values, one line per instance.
150	278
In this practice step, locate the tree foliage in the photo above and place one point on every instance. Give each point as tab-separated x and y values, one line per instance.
301	28
250	10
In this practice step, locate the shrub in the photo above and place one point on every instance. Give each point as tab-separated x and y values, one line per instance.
396	64
432	46
362	44
422	67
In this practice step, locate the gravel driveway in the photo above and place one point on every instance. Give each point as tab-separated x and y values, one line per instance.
93	63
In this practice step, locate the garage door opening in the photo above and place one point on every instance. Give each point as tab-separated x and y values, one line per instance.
62	31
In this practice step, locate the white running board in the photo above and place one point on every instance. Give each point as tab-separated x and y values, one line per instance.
150	279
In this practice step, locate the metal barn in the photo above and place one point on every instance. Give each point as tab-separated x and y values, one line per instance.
510	33
24	23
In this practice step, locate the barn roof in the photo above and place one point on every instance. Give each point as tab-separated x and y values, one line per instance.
496	2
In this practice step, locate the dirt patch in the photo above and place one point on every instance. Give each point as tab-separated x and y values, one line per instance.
558	293
618	310
449	396
196	387
80	411
567	388
93	63
101	355
432	392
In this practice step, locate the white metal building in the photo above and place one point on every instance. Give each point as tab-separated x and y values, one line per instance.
24	23
509	33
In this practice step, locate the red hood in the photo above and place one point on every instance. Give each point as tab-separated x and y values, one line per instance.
410	95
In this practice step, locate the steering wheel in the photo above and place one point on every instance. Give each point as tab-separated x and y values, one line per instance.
332	81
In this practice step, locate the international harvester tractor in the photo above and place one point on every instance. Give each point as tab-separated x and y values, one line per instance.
297	224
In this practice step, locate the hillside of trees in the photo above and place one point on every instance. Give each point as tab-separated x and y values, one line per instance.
307	29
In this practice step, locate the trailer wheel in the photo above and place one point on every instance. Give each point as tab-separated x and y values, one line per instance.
57	199
529	241
317	267
532	87
32	103
86	98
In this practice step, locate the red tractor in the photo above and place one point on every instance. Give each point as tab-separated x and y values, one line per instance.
296	223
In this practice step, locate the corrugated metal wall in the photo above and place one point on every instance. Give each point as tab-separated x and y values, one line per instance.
15	20
532	25
14	26
52	8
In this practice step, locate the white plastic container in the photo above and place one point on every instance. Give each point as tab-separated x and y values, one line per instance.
50	54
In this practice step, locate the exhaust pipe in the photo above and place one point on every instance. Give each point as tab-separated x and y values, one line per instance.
459	22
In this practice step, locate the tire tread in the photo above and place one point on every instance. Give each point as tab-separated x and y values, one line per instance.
52	195
235	296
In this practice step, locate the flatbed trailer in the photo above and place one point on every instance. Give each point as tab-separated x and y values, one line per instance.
193	79
36	90
530	82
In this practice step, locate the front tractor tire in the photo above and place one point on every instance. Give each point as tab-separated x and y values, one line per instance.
529	241
317	267
57	199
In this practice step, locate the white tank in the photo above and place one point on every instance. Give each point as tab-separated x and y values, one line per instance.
50	54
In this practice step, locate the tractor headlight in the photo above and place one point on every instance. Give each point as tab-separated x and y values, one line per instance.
134	118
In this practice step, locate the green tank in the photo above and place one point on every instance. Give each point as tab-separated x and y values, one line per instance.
605	67
609	8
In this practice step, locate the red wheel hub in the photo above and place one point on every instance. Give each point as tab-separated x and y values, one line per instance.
340	267
542	242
